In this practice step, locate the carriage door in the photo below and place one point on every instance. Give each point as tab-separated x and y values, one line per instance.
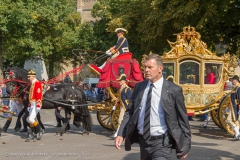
189	72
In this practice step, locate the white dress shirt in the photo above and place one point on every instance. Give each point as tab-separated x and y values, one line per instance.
157	122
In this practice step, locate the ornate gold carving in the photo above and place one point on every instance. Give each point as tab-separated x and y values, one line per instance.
114	96
188	42
144	58
230	67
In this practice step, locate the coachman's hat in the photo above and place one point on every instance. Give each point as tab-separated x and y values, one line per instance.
121	30
236	77
31	73
122	77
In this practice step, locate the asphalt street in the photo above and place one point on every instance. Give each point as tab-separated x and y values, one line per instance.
207	144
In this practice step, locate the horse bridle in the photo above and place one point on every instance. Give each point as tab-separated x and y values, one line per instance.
19	86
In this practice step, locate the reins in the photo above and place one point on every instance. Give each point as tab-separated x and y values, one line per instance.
19	86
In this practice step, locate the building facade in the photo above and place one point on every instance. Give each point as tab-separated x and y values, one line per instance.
84	7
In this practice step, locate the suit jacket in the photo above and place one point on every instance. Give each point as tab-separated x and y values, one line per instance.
176	118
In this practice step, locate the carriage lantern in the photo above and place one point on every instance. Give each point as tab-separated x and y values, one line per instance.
221	47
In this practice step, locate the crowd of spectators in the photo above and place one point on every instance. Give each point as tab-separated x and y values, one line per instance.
93	93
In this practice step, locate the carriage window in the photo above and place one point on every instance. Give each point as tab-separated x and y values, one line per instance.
212	73
189	72
168	71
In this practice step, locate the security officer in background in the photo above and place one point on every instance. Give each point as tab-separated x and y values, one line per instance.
233	117
125	95
35	104
122	44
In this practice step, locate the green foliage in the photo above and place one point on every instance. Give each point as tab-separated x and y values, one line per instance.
46	28
151	22
53	28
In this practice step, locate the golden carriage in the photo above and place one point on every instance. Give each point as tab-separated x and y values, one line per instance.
185	64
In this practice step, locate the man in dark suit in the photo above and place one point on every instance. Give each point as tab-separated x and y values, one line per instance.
233	117
156	118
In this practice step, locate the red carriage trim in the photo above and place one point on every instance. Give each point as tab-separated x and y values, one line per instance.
127	55
61	76
136	71
95	69
114	67
190	113
98	71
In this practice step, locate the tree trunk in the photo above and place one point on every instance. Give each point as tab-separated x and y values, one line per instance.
51	66
1	58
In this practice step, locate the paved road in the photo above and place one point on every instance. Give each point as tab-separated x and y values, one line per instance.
207	144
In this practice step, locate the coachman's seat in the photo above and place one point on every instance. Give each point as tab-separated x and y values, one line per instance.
115	67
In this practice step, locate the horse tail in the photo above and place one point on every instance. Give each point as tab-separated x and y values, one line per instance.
86	116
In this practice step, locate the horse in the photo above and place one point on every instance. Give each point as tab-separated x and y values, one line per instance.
67	96
18	91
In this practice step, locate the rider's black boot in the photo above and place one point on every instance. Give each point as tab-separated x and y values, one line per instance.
31	134
7	124
38	132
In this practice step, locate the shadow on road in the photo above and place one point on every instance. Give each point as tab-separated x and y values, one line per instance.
196	153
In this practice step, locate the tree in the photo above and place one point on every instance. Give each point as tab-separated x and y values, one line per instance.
150	23
45	28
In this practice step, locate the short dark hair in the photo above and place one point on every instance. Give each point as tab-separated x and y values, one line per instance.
156	57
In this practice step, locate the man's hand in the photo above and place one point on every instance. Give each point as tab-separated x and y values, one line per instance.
185	156
118	142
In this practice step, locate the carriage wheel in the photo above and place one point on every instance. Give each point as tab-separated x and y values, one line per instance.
214	115
223	114
104	115
114	118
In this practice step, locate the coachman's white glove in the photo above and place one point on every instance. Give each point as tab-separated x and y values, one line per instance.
108	52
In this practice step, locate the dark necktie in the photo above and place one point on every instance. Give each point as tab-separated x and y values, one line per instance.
146	126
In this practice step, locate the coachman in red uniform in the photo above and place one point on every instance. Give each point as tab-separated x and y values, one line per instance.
35	104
